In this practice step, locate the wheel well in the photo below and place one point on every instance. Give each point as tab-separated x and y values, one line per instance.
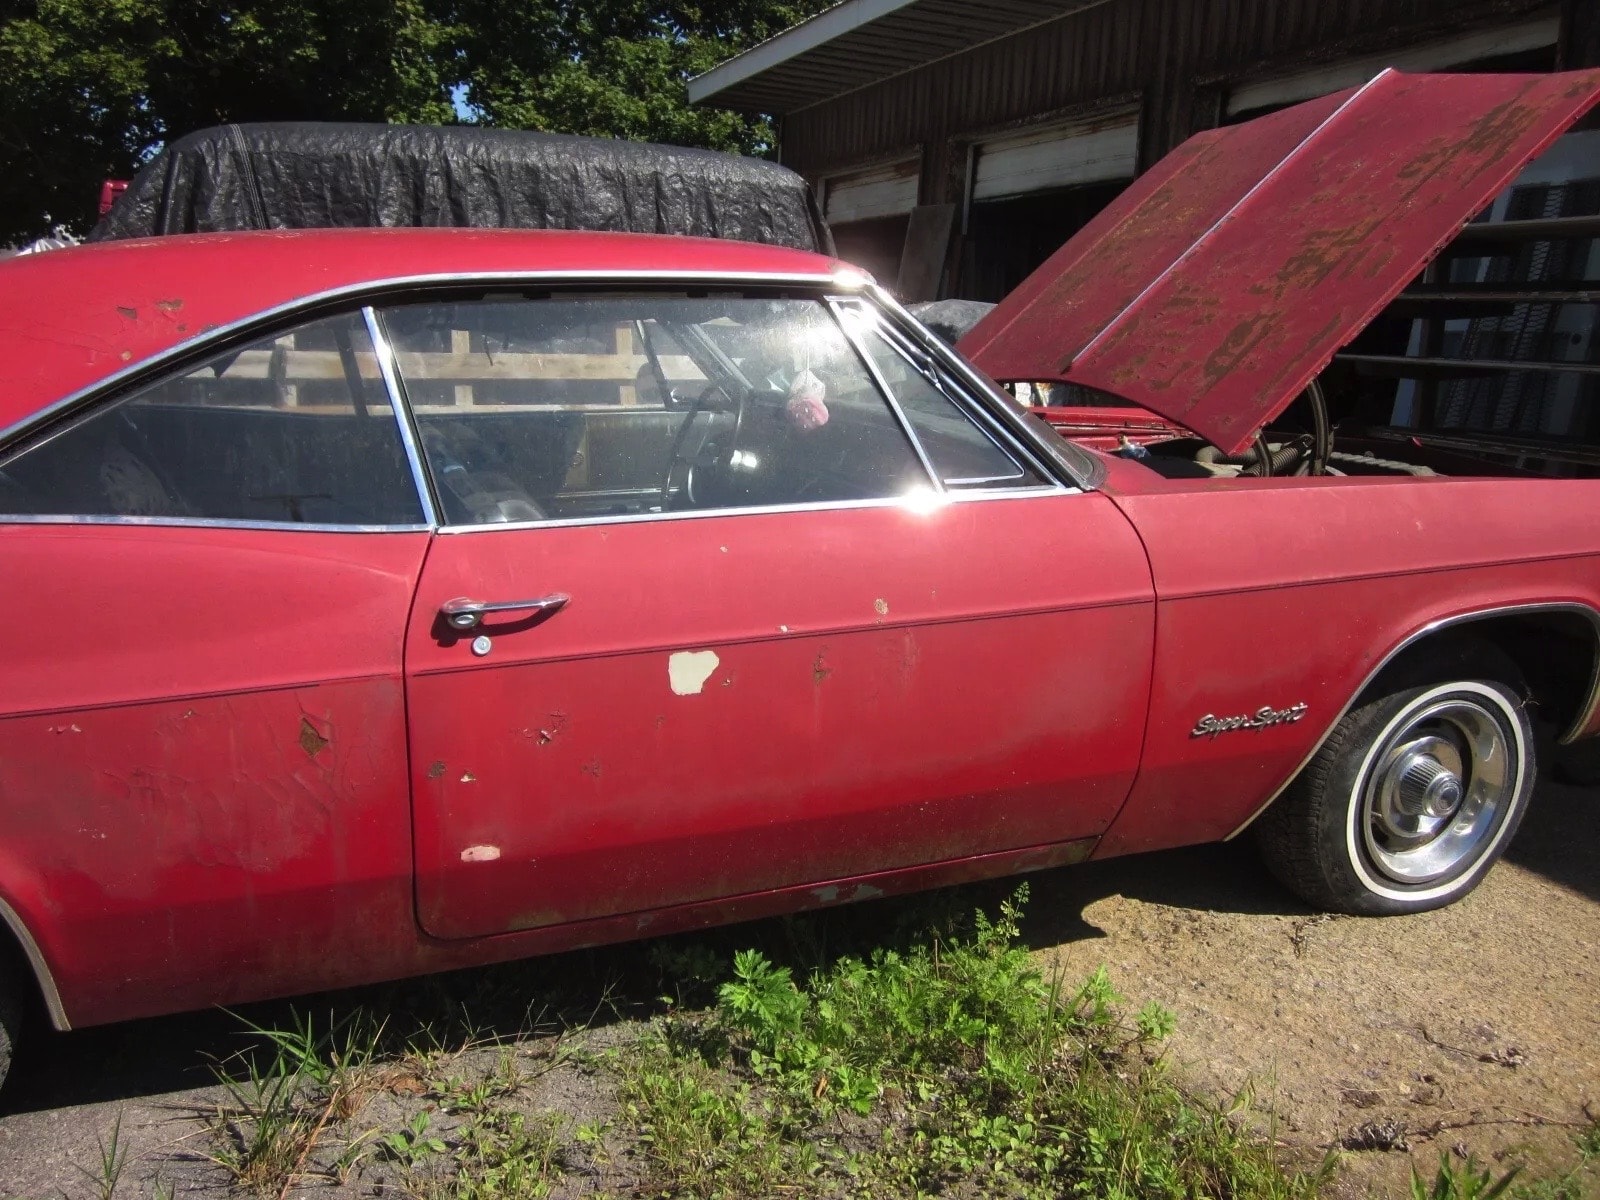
19	961
1557	650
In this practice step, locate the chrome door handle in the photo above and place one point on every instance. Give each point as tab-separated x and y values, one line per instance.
462	613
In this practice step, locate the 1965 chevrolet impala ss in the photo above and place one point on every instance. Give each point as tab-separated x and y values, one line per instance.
381	601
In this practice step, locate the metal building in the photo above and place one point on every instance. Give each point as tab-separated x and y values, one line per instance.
995	129
955	145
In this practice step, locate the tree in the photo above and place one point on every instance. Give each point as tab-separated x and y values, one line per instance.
91	88
617	68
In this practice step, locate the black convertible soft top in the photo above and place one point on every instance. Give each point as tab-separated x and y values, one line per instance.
306	175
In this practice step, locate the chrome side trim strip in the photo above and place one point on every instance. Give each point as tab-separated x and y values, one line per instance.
204	523
403	416
1592	702
911	505
41	969
1427	630
376	288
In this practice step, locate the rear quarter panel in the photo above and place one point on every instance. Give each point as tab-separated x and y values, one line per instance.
1285	592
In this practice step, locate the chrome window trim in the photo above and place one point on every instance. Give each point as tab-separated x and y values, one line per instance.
204	523
41	969
1032	490
376	288
404	418
1562	606
1080	469
884	391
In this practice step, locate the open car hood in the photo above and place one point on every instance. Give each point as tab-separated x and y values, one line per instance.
1223	280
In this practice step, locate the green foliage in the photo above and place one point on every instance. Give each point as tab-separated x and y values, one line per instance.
89	88
504	1155
1456	1180
863	1025
413	1143
1580	1182
275	1113
951	1064
706	1134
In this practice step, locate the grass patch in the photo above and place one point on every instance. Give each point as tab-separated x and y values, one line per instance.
950	1065
917	1053
276	1112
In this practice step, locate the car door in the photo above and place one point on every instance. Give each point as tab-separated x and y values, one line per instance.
202	731
705	619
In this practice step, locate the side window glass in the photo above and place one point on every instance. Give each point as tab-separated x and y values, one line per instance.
576	407
963	454
295	428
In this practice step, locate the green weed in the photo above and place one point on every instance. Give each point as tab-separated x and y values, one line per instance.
950	1064
274	1115
410	1145
1580	1182
113	1160
503	1156
1458	1180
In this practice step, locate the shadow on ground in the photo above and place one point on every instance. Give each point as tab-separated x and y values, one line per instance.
1560	839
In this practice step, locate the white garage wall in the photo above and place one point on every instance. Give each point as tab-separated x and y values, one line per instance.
883	191
1430	56
1057	156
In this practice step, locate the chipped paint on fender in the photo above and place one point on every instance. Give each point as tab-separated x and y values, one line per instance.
478	854
688	670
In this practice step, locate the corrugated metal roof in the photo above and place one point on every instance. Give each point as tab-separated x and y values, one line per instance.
861	42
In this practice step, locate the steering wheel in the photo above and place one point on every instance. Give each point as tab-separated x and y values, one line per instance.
707	453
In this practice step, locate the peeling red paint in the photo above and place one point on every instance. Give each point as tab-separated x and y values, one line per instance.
1218	285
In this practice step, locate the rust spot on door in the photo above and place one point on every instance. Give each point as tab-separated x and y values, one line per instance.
312	742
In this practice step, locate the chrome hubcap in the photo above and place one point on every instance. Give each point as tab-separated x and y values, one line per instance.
1439	786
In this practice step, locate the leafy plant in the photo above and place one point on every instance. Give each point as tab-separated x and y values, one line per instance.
410	1145
1155	1022
949	1063
503	1156
1457	1180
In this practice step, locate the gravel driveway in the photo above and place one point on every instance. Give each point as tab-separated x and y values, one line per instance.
1476	1027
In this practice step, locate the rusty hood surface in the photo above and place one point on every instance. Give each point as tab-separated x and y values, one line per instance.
1223	280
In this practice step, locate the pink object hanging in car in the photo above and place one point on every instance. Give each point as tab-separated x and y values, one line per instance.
805	407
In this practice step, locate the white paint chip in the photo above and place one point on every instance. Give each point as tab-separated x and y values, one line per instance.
688	670
881	607
480	854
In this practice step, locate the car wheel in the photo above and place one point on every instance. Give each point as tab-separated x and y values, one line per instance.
11	1009
1416	793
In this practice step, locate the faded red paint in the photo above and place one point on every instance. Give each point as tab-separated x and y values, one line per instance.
72	317
931	694
237	763
169	831
1223	280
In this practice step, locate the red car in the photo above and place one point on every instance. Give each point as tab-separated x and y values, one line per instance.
390	600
